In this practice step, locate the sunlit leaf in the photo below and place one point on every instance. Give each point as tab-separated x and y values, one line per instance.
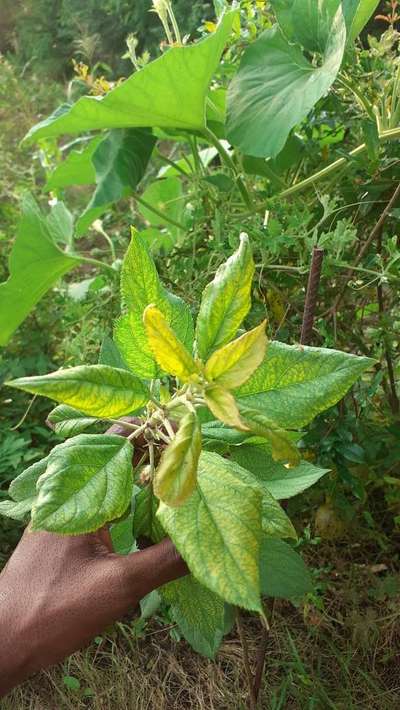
295	383
68	421
176	474
169	92
97	390
168	351
223	406
233	364
283	448
226	301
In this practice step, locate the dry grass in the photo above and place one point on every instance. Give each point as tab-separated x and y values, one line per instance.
343	656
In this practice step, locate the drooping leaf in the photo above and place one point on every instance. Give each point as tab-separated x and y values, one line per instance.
199	613
226	301
141	286
16	511
176	474
169	92
296	383
283	448
280	481
223	406
145	521
76	169
68	421
283	572
234	363
88	482
97	390
170	354
218	530
24	486
120	162
276	87
35	265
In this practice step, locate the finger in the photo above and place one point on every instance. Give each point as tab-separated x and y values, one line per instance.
151	568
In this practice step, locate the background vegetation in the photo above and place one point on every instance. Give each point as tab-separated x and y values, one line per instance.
339	648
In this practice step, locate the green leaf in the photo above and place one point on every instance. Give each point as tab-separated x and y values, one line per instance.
176	475
76	169
283	572
35	265
219	432
110	355
296	383
170	354
167	197
226	301
199	613
169	92
88	482
313	20
356	14
23	487
67	421
97	390
276	87
218	530
283	448
223	406
120	162
234	363
275	522
140	287
60	224
280	481
16	511
121	534
145	521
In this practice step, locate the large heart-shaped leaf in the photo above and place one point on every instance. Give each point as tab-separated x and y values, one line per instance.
199	613
169	92
295	383
218	530
36	263
120	162
140	287
95	469
98	390
276	87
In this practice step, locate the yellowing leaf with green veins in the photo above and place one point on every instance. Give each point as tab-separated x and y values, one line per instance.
233	364
283	448
218	530
223	406
98	390
226	301
95	468
169	352
176	475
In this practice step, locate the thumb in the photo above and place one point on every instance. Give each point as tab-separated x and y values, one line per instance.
149	569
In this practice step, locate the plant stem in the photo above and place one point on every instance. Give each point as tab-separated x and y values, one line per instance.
246	661
174	23
159	213
96	262
226	158
348	84
312	295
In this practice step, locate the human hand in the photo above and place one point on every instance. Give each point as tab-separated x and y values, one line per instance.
58	592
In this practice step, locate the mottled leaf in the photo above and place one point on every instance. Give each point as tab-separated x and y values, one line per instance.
88	482
176	474
226	301
97	390
234	363
283	448
223	406
218	530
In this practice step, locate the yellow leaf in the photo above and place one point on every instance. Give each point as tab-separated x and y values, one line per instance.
223	406
176	475
233	364
210	26
169	352
283	449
